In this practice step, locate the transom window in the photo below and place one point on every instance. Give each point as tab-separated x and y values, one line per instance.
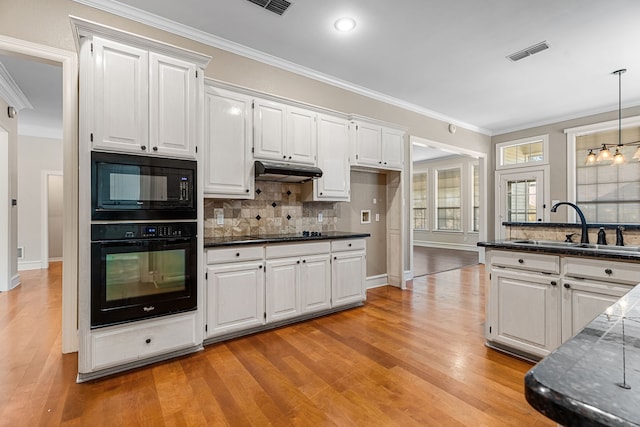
522	152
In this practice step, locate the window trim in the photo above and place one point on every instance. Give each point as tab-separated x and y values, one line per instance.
545	151
471	197
428	201
572	134
460	168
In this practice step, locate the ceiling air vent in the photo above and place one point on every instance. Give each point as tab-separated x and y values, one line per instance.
275	6
531	50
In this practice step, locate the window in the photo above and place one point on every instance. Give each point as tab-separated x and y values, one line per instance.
448	199
475	217
522	152
608	193
420	201
522	201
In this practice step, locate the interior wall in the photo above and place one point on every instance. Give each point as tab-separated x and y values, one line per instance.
368	192
558	147
466	238
35	156
9	277
48	23
54	217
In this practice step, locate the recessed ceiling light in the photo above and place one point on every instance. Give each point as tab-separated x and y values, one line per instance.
345	24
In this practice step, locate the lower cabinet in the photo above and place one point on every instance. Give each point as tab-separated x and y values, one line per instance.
348	267
315	277
538	301
283	289
129	343
526	311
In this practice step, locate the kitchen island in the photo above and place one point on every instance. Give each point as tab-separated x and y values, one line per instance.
593	379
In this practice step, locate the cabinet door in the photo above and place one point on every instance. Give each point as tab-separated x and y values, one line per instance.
333	159
347	278
228	168
269	127
392	148
235	297
525	311
301	135
172	106
283	289
368	145
120	96
315	283
583	301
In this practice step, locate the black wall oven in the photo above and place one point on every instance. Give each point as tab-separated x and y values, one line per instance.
142	270
130	187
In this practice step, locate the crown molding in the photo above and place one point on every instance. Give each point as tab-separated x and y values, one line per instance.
173	27
11	92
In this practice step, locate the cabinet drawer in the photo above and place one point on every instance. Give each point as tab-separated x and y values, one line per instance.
237	253
112	348
284	251
611	271
526	261
347	245
168	335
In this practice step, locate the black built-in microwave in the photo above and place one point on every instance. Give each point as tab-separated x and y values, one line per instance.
133	187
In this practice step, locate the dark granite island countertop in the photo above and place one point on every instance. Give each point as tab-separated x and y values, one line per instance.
212	242
584	381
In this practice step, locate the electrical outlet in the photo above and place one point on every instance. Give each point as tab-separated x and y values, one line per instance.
320	217
374	201
220	218
377	217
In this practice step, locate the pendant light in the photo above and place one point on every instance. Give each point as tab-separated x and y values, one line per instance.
618	158
604	154
591	157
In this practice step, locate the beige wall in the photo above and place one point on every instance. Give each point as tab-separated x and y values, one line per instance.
47	22
365	187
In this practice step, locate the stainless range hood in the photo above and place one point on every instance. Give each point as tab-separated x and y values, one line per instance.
285	172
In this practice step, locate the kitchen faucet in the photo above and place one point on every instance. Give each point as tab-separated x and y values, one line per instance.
584	238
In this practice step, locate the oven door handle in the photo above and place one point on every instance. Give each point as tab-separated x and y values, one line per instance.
142	242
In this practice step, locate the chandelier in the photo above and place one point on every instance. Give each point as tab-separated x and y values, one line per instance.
604	153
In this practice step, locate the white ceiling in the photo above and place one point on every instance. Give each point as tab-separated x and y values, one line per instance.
444	58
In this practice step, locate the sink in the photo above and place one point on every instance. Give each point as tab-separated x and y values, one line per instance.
608	247
548	243
594	246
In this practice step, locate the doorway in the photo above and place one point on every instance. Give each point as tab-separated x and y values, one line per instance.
52	216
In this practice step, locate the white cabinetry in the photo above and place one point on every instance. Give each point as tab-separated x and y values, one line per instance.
348	272
284	132
144	101
333	160
538	301
228	166
127	344
378	146
235	289
298	279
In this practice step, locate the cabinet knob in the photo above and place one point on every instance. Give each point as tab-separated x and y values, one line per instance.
260	266
609	271
321	193
349	244
298	262
148	340
143	147
304	260
284	157
237	253
521	261
335	257
289	157
385	163
247	190
155	148
380	162
566	285
554	283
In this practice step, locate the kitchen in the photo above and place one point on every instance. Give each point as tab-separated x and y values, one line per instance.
419	124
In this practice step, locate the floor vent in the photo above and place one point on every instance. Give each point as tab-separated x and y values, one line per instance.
531	50
20	252
276	6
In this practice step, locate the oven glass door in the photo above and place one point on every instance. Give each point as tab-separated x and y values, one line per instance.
142	278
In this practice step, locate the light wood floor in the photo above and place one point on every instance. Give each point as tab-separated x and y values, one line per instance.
412	358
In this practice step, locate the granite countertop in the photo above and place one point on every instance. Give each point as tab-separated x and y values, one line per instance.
594	378
211	242
629	253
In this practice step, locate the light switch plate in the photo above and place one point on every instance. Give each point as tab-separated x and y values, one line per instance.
377	217
220	219
320	217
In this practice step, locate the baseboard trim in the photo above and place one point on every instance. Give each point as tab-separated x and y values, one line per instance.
442	245
29	265
376	281
15	281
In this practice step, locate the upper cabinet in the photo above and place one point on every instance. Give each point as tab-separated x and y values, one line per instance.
144	101
333	159
284	132
228	165
378	146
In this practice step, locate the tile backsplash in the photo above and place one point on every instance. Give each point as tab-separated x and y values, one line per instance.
276	209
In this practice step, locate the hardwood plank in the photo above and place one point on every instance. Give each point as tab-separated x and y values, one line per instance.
407	358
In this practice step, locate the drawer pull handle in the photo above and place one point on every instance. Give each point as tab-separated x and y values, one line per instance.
521	261
554	283
148	340
566	285
608	271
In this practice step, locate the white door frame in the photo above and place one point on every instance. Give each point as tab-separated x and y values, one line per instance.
44	216
69	62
